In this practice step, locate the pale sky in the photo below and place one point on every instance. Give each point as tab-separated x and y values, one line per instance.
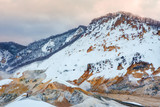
24	21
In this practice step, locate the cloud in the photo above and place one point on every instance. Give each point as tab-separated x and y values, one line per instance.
35	19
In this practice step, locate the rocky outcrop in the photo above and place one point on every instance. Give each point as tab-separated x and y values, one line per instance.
90	49
51	92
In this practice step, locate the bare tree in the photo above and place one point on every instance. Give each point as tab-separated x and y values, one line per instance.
130	16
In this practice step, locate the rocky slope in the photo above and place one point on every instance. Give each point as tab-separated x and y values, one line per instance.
117	53
29	87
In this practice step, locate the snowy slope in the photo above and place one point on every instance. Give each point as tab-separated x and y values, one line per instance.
7	51
108	42
30	103
42	49
5	55
5	81
11	47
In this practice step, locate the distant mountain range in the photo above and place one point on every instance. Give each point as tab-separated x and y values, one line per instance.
11	47
36	51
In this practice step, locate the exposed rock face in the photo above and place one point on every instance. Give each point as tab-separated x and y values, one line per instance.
158	32
90	49
31	83
120	67
54	93
144	83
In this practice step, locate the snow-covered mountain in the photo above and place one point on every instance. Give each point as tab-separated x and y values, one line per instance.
116	53
7	51
108	43
11	47
42	49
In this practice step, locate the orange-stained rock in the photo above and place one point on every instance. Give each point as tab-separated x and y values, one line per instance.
100	84
134	26
105	48
13	89
85	76
119	79
114	80
125	37
156	72
55	86
95	82
59	86
104	21
129	22
140	36
110	48
17	56
137	75
119	54
119	21
40	87
90	49
85	92
138	70
158	32
141	66
51	86
3	60
108	34
144	30
120	67
63	103
121	30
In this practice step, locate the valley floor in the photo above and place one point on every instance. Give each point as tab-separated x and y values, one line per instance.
143	100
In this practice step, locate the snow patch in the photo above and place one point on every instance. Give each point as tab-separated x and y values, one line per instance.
50	43
5	81
85	85
149	72
133	79
133	103
69	38
29	103
60	81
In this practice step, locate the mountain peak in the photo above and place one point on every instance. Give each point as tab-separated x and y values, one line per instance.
127	16
12	47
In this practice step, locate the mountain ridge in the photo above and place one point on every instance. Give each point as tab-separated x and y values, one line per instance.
12	47
146	20
25	56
